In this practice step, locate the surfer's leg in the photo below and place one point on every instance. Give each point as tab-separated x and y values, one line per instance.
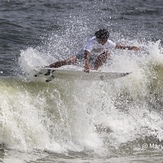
68	61
101	59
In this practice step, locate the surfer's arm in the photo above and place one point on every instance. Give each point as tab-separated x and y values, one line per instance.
118	46
86	57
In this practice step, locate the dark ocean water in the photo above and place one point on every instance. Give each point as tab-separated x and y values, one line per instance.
67	121
26	24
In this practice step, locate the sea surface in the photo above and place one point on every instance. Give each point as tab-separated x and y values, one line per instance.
74	121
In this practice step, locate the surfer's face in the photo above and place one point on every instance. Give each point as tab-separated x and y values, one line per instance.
102	41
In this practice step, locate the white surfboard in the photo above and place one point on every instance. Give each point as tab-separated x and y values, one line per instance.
74	72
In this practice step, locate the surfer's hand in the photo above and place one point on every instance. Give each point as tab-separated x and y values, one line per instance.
107	53
86	69
135	48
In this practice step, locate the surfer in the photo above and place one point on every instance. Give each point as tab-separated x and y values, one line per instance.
95	52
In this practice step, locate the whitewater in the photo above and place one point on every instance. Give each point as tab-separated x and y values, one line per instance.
85	119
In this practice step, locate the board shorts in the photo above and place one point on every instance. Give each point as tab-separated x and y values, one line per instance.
80	58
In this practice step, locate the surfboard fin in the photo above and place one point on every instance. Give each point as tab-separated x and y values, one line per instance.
39	73
50	78
48	73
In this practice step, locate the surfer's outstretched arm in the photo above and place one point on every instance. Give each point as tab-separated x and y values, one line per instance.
118	46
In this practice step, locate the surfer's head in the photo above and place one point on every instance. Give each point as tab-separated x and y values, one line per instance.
102	36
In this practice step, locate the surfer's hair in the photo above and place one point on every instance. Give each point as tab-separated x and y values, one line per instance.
102	34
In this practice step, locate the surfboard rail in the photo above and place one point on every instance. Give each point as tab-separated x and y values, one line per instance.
78	73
